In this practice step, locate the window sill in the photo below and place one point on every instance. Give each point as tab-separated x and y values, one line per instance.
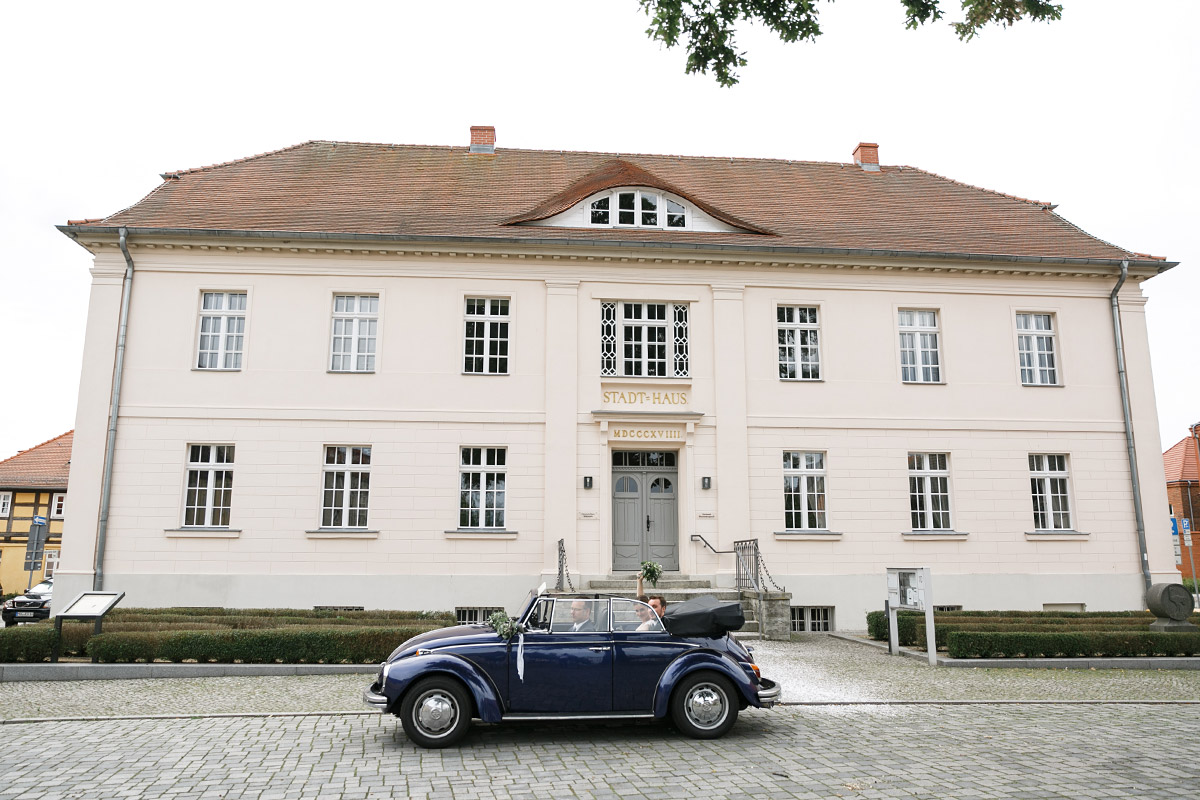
485	374
480	533
203	533
643	379
349	372
810	535
1052	536
925	536
801	380
342	533
216	369
923	383
1042	385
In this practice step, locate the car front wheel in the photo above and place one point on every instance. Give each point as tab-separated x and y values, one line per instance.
704	705
436	712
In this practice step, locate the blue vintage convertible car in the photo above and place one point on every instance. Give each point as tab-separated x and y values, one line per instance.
570	657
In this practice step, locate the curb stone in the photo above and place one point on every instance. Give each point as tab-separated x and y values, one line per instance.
84	672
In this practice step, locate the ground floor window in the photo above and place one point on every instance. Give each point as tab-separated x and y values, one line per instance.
481	481
51	564
812	619
346	486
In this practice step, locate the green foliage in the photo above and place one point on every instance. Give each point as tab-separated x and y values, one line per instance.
962	644
652	572
707	26
26	643
308	645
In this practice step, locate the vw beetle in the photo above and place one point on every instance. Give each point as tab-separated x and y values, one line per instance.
573	657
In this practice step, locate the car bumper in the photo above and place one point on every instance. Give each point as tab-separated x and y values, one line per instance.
11	615
768	693
375	700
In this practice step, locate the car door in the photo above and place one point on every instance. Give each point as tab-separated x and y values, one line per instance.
639	657
565	671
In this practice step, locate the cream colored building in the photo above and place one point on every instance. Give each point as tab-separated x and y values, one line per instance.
397	376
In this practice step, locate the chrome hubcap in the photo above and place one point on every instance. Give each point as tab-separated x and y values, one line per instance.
435	712
705	705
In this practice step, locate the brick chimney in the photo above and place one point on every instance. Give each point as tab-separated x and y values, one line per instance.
866	155
483	139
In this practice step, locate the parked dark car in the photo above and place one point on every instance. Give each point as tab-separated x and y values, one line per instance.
31	606
571	657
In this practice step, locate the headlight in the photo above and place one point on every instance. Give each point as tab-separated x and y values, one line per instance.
8	603
46	604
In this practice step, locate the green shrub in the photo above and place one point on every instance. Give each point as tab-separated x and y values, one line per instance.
301	645
970	644
27	642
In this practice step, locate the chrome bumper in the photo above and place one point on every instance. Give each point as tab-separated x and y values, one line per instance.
375	701
768	693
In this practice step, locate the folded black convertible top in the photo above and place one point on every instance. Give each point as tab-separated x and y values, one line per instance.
704	616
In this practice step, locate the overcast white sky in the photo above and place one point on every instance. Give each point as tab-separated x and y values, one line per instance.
1097	113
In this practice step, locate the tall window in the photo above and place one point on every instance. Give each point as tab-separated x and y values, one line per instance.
209	494
799	353
485	343
644	339
929	491
355	324
637	208
5	504
222	330
58	504
347	487
920	357
481	477
1049	483
1035	346
803	491
50	564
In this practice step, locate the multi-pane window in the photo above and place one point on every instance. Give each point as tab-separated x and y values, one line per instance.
481	478
485	343
5	504
799	351
803	490
1049	484
920	357
50	564
637	208
929	491
1035	346
355	326
644	339
222	330
347	486
58	504
474	615
812	619
209	494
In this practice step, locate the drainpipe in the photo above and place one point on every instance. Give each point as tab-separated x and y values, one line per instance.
1195	431
114	404
1124	381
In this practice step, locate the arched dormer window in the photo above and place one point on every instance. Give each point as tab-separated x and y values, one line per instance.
636	208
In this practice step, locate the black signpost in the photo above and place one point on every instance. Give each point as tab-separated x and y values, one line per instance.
88	605
35	548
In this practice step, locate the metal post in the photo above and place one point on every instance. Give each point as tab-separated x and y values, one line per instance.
893	632
930	634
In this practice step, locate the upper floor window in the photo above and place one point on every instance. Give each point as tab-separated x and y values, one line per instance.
637	208
355	326
644	339
485	342
920	348
5	504
222	330
58	504
209	495
1035	347
799	352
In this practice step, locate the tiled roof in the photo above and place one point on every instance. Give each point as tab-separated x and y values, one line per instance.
414	190
43	467
1180	461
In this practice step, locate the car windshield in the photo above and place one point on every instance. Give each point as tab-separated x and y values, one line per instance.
42	588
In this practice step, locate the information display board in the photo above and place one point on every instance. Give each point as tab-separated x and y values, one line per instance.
911	589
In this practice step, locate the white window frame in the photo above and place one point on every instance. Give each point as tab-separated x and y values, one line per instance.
1050	485
354	333
208	485
221	332
929	492
489	330
662	202
623	354
1037	349
345	486
50	563
805	488
482	487
5	504
919	361
58	505
797	356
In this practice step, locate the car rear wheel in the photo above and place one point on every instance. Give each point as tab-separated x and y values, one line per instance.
436	712
704	705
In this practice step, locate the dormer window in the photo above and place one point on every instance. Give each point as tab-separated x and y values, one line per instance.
637	208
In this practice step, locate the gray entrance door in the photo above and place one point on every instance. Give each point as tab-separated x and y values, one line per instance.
645	509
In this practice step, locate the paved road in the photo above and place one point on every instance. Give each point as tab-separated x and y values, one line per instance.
1052	749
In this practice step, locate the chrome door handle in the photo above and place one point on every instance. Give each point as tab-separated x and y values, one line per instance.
599	649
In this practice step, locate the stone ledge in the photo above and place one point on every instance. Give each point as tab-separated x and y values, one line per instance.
84	672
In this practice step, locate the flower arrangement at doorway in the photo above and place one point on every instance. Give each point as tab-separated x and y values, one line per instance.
652	572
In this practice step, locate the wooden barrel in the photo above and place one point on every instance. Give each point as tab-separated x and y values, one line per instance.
1170	600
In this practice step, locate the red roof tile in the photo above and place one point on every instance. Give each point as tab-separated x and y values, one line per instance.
43	467
1180	461
412	190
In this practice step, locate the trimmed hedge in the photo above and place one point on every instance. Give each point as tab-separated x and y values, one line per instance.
441	618
307	645
963	644
26	643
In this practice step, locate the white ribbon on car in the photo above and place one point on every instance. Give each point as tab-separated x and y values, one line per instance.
521	657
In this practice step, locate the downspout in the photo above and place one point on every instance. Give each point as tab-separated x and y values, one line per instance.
1124	381
114	404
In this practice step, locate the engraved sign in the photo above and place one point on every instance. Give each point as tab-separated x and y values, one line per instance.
639	398
646	434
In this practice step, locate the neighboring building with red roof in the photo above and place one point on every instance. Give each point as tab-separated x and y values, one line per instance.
1183	493
400	376
33	483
